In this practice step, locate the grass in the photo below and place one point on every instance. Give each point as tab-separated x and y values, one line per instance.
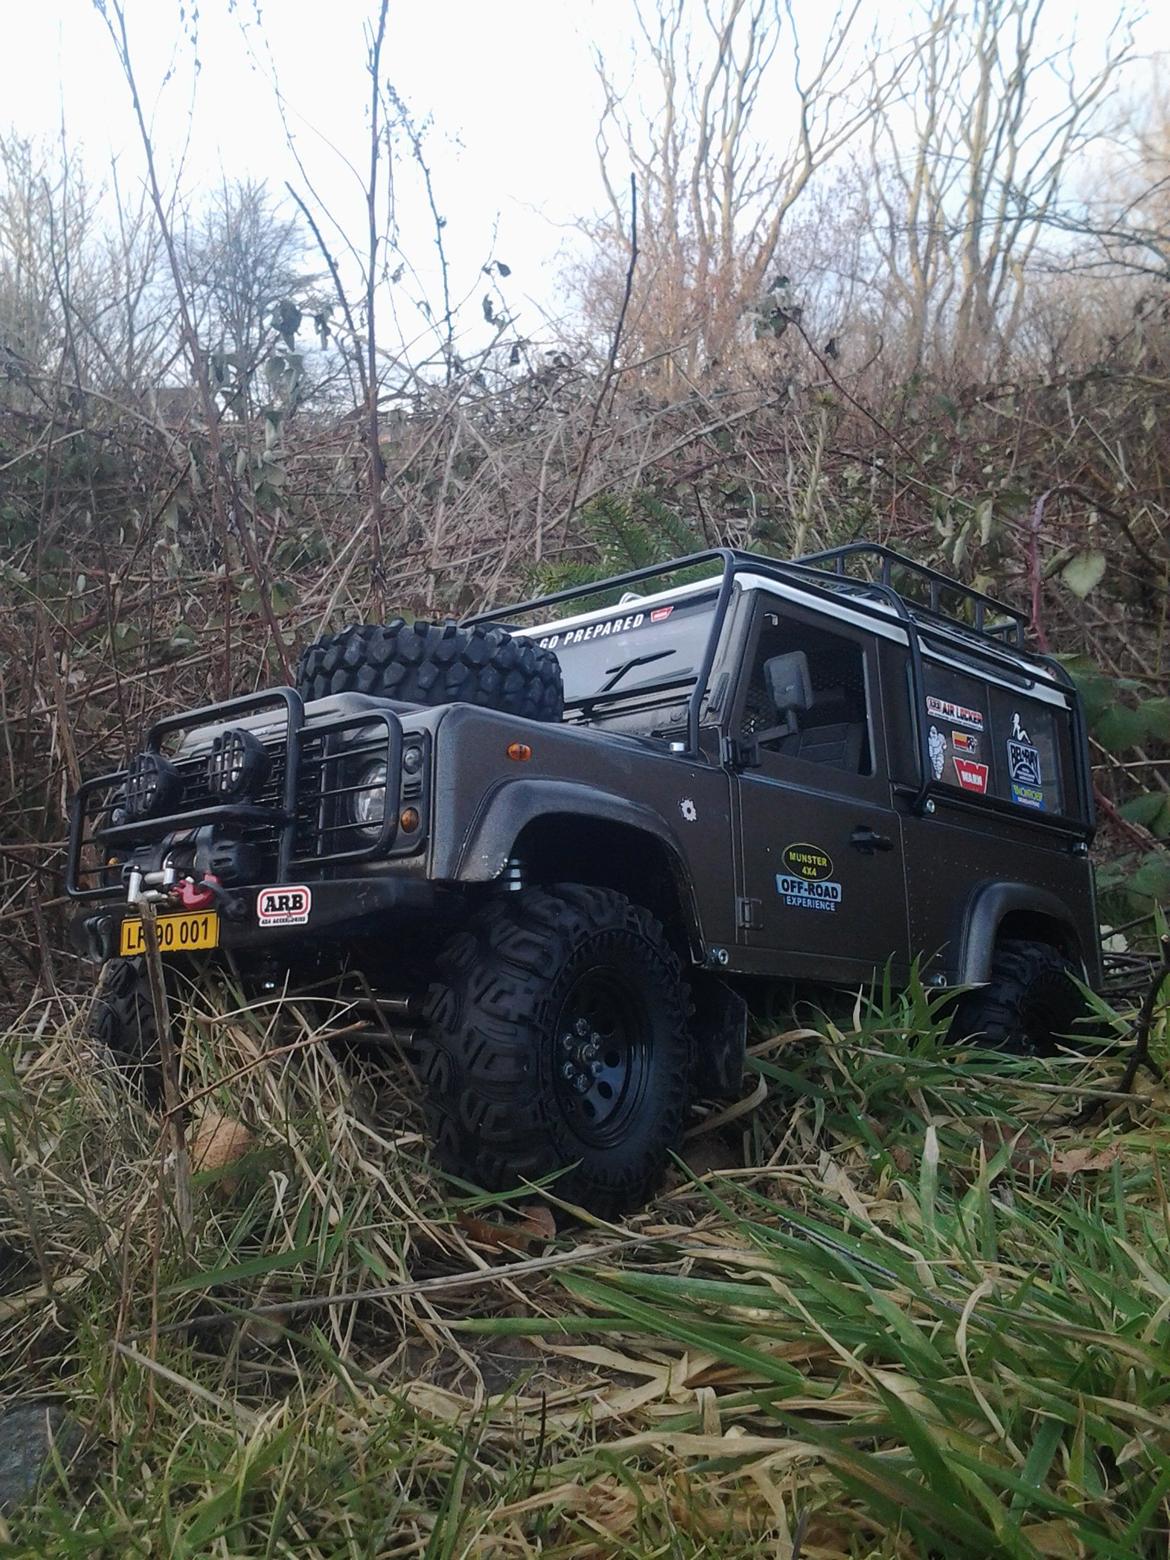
905	1308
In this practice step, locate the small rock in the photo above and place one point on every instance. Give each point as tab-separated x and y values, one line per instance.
216	1141
28	1434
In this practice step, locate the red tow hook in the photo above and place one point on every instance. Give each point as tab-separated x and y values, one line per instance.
197	896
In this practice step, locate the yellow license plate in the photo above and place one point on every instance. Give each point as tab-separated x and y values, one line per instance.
176	933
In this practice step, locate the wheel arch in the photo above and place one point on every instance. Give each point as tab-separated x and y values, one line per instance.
563	831
1016	910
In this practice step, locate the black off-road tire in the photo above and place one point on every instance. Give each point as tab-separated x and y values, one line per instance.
506	1028
1031	1005
122	1021
436	663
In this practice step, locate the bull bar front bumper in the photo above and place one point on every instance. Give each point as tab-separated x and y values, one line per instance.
302	815
338	905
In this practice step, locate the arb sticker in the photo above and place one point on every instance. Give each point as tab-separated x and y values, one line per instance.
660	614
972	777
807	861
284	906
954	714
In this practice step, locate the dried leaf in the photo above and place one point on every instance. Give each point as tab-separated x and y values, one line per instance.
1075	1160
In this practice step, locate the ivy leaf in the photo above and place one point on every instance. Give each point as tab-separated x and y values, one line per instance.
1084	572
1152	878
1156	713
1144	809
1120	728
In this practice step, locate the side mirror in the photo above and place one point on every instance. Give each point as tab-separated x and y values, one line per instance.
788	683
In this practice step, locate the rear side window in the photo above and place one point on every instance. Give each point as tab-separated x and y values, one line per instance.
987	740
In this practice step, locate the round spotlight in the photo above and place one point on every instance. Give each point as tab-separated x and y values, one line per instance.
117	812
238	765
368	802
152	785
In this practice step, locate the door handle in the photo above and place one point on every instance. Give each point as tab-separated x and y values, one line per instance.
868	840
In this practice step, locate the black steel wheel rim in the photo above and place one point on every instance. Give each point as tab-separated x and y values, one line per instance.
602	1056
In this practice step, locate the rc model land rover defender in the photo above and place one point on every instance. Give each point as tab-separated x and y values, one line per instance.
563	850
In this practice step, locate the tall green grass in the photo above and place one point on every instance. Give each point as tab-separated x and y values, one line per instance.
906	1308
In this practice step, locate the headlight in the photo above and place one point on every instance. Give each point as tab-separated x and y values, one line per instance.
116	811
238	765
152	785
368	802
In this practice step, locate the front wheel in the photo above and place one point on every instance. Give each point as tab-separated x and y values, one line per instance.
560	1040
122	1023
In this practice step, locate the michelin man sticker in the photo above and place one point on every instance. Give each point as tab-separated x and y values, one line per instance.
938	751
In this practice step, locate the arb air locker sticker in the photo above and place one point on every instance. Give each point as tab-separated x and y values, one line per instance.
954	714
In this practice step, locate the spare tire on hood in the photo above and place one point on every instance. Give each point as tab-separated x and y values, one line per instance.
436	663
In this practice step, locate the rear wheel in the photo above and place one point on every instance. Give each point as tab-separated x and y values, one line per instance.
1030	1006
559	1037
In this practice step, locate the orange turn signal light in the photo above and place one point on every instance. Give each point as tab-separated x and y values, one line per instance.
408	819
520	751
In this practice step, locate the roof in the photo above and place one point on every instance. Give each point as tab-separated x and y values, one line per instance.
896	592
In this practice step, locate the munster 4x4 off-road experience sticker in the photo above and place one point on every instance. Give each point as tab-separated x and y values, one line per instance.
808	884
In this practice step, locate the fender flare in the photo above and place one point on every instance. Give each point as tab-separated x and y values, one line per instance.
985	913
508	809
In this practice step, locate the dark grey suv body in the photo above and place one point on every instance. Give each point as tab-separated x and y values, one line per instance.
800	772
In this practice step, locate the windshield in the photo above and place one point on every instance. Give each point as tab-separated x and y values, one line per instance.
632	647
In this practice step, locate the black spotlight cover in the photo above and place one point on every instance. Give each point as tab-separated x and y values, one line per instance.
238	765
152	785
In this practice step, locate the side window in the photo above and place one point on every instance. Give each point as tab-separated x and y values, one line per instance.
958	729
1030	737
806	695
989	741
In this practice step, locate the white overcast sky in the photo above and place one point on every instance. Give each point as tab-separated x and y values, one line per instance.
510	88
509	85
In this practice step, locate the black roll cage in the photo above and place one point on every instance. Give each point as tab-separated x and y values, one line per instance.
824	575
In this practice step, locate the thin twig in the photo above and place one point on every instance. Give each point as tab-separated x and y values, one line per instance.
610	367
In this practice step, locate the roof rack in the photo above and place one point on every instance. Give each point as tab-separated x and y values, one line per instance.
1014	622
873	595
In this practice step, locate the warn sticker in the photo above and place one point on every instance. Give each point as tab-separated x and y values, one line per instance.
972	777
284	906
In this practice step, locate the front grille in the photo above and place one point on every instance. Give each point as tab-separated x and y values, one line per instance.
196	793
297	821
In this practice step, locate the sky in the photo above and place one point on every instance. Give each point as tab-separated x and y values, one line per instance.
510	90
510	87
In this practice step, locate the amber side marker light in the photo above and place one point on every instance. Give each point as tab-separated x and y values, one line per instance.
520	751
408	819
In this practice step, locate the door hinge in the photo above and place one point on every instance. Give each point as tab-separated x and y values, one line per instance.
747	914
741	753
